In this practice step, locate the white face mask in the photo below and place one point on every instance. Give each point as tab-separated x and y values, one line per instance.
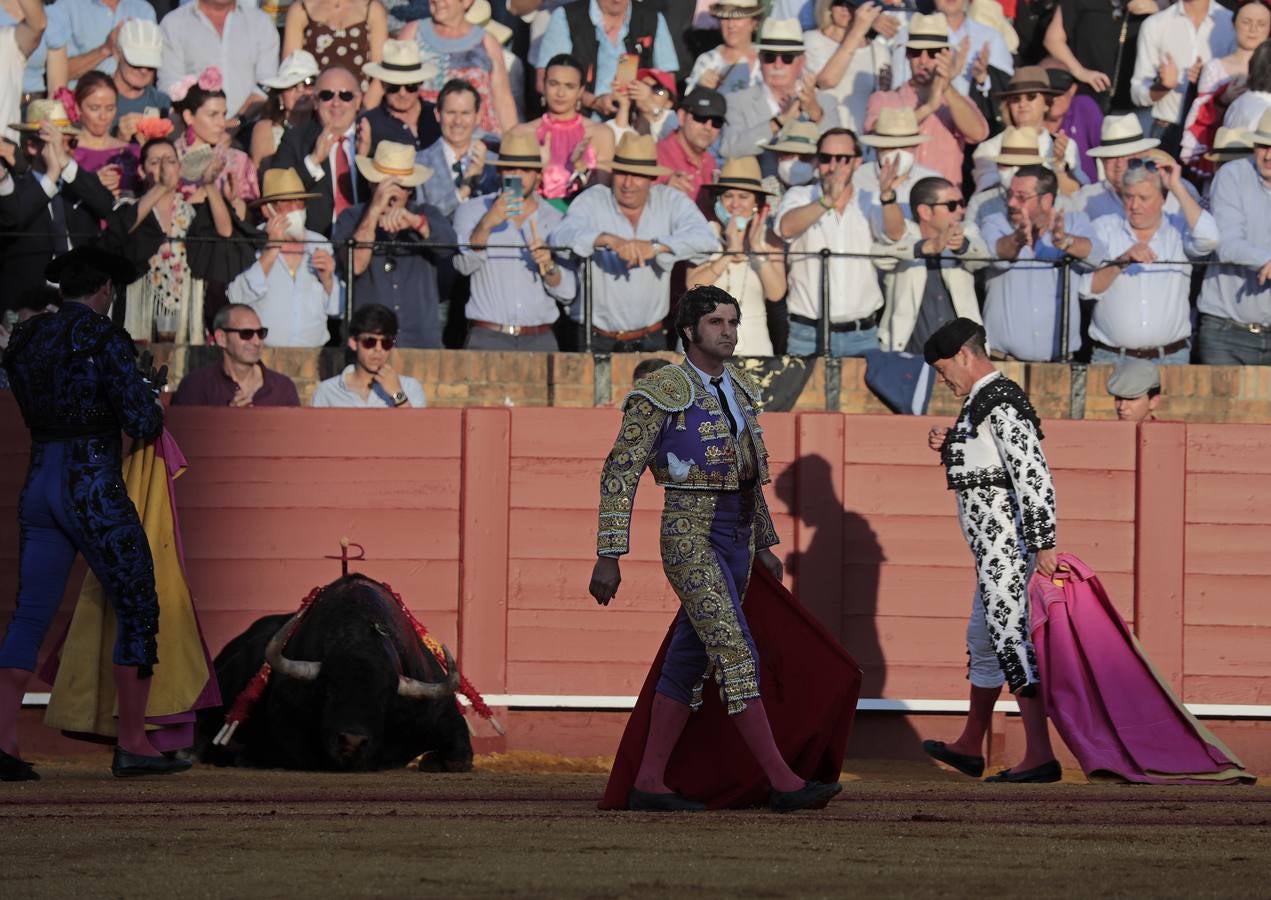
795	172
904	161
296	225
1006	174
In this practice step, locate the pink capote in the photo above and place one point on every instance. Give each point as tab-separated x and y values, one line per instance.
1106	700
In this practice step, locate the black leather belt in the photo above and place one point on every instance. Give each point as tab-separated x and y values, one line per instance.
1146	352
858	325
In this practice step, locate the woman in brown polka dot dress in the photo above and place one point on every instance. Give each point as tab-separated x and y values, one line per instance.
346	33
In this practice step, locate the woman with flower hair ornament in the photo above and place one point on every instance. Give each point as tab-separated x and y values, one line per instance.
200	102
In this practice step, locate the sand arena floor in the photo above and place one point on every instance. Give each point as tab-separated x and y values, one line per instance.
527	826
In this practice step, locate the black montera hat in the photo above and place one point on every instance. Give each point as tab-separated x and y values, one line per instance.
949	338
117	268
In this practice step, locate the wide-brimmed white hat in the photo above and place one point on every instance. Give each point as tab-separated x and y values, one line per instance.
141	43
795	137
402	64
51	111
481	15
736	9
1121	136
928	32
1019	147
1261	135
298	66
1231	143
393	160
780	35
896	126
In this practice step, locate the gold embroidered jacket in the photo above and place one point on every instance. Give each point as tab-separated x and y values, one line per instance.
672	424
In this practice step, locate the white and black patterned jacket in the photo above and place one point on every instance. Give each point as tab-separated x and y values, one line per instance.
1006	454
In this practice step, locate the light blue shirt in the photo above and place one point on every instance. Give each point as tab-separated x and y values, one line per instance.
333	392
557	40
1241	204
507	288
1022	308
293	307
88	24
629	299
56	34
803	10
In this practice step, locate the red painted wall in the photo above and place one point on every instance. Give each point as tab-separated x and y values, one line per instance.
484	520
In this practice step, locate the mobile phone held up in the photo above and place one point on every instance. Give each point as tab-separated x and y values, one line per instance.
514	190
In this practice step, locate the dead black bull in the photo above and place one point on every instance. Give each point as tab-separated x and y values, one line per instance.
351	687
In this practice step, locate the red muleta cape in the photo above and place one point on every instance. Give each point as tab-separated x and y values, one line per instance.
809	685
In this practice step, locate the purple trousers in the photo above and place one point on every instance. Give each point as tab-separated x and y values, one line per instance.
707	553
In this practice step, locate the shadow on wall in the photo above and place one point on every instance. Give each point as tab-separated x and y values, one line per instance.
836	574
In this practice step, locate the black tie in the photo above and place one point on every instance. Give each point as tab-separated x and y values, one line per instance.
718	384
458	170
57	212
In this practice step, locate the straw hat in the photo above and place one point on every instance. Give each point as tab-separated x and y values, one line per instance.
298	66
780	35
741	173
1121	136
928	32
402	64
283	184
1029	80
895	127
736	9
393	160
795	137
1019	147
519	150
1231	143
38	111
480	14
638	155
1261	136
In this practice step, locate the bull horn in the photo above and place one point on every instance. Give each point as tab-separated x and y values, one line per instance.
431	690
301	670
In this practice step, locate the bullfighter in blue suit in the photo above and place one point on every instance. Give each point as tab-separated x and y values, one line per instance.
694	425
76	380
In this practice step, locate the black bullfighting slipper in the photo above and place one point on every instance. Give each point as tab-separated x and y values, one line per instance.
1046	773
14	769
813	795
963	762
644	801
126	764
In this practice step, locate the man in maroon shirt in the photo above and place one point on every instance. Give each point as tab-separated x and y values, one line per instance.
686	151
240	378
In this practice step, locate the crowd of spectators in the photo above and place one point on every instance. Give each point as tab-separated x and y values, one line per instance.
468	172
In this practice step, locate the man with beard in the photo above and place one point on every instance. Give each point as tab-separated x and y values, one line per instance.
402	116
994	464
370	381
713	465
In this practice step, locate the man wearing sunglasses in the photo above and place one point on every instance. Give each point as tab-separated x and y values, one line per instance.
951	120
402	117
686	151
787	94
138	53
933	280
322	150
370	382
240	378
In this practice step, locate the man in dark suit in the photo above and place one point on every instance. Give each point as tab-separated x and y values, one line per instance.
323	151
55	205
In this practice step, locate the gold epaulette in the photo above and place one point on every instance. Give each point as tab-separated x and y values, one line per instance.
669	389
747	383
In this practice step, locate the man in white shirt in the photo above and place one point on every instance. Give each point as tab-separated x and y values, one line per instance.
370	381
292	285
833	214
1174	45
238	38
1142	309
